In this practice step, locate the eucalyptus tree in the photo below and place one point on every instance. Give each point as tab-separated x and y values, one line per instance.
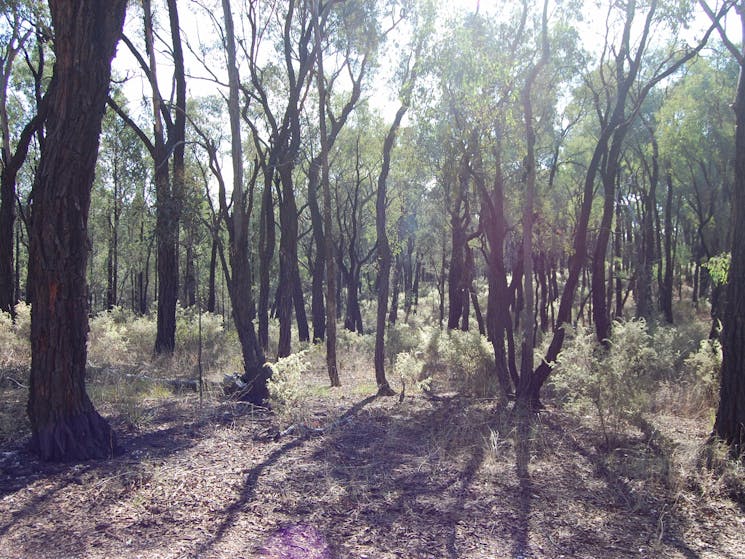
167	147
697	148
21	31
64	424
619	84
121	176
355	162
730	419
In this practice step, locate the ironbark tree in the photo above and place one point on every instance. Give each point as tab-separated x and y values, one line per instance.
64	424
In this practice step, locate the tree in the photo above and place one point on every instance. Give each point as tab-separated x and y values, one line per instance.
730	419
167	145
64	423
12	156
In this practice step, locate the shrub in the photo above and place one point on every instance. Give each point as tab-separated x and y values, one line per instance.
15	338
401	338
618	382
469	358
286	395
409	368
107	342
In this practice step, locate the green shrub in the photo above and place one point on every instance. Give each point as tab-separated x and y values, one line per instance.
469	358
286	394
15	338
409	368
617	382
401	338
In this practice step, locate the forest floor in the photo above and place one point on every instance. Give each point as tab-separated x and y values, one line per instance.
434	476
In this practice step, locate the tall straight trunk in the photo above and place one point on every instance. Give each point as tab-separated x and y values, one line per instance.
647	257
393	313
528	341
267	239
498	320
328	247
64	424
287	257
730	418
318	271
212	273
666	286
385	255
459	219
256	371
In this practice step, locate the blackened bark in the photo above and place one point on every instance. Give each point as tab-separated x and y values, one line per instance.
494	225
318	308
730	419
385	255
396	287
666	286
212	273
267	240
256	371
64	424
459	221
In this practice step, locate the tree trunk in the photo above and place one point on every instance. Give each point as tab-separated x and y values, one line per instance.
384	255
318	308
730	419
256	371
393	313
287	258
666	286
267	239
212	273
64	424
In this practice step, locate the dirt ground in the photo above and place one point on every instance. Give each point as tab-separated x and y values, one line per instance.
434	476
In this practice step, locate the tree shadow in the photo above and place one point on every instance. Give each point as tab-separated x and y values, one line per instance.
21	469
523	419
623	480
230	514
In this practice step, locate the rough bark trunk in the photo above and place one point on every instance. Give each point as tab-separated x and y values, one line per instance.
256	371
267	240
666	286
730	419
64	424
384	255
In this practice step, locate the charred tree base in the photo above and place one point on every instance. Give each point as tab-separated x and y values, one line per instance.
385	390
255	390
86	436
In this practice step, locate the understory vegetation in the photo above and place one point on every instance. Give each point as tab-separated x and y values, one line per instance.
645	368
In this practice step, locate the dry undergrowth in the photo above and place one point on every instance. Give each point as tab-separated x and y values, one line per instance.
434	476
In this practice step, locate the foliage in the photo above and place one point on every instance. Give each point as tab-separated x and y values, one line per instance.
469	359
15	343
286	393
409	367
718	267
618	383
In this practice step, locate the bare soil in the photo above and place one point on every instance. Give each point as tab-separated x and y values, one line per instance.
434	476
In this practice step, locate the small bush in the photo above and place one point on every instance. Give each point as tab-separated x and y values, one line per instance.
286	394
107	341
15	338
618	382
695	390
409	368
469	358
401	338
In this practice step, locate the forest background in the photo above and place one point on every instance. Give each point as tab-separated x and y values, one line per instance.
546	207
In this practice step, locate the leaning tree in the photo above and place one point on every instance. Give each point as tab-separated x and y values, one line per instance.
64	423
